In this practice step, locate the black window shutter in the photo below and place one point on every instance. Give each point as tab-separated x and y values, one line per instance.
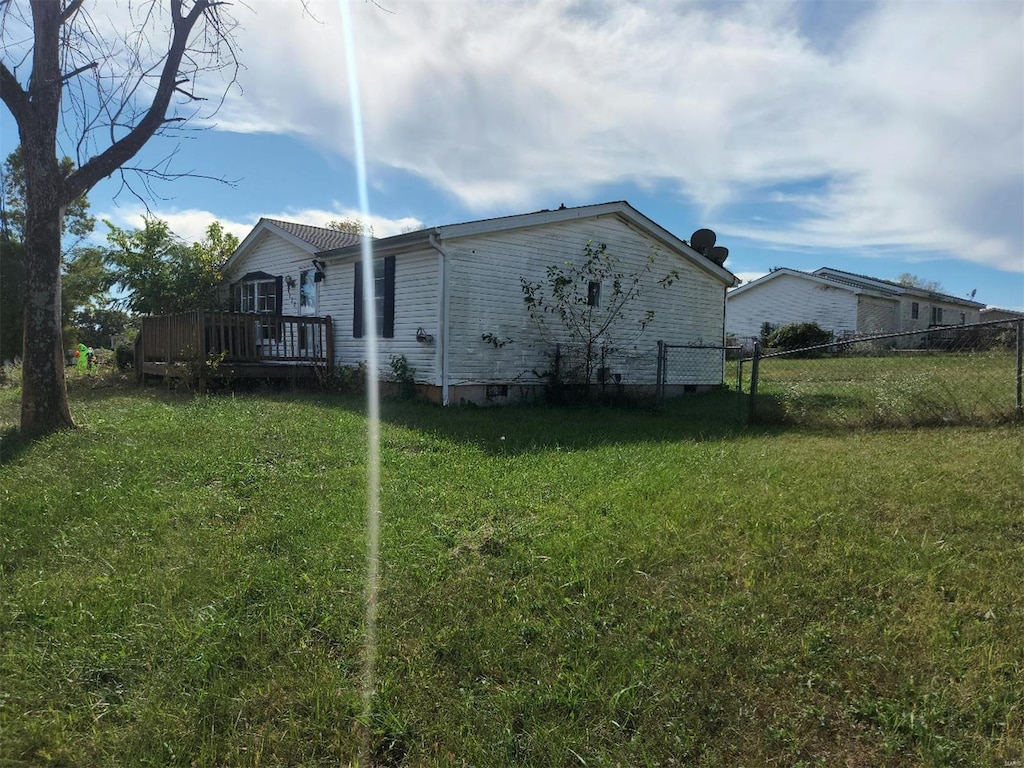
388	331
236	297
279	297
357	302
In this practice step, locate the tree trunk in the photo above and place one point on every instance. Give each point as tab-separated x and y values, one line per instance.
44	394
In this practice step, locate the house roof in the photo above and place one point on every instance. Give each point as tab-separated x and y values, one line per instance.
321	238
1009	314
895	289
860	284
620	208
311	239
810	277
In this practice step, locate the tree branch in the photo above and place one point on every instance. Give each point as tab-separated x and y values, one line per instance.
80	70
71	10
13	94
127	147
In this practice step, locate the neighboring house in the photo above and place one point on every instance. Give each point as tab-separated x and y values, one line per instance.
450	299
993	314
844	303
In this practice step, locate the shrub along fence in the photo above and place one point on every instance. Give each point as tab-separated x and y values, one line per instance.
969	374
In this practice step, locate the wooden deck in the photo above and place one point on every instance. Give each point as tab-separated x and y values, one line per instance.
207	344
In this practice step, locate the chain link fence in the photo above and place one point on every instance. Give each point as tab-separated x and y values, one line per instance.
967	374
688	368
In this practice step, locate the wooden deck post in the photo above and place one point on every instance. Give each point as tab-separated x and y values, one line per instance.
329	343
200	330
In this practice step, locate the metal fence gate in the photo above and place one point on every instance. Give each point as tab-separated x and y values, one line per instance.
686	368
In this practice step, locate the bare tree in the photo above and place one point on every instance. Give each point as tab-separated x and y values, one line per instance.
352	226
77	87
909	280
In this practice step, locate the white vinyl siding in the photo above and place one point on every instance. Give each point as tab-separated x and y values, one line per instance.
876	316
789	299
275	256
416	306
487	299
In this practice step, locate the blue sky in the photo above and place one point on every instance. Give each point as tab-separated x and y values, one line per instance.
879	138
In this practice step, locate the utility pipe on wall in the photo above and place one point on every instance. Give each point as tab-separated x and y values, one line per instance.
442	331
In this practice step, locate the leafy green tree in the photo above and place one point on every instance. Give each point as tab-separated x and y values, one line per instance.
77	220
98	326
84	278
161	273
85	296
12	297
590	304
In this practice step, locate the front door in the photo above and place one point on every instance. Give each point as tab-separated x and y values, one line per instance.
309	296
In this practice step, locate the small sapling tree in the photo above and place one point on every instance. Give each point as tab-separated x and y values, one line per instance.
591	304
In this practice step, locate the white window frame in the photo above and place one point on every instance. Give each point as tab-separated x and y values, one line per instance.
255	295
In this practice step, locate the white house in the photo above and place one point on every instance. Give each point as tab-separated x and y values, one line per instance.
993	314
844	303
450	299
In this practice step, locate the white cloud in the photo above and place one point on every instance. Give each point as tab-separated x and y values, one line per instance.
190	224
904	131
381	225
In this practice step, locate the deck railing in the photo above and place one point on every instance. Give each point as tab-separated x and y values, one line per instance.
235	337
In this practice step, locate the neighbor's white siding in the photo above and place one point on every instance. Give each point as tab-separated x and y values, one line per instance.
951	313
416	306
790	299
876	316
486	298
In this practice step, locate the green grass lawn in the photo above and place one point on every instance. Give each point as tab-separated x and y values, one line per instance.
897	389
181	583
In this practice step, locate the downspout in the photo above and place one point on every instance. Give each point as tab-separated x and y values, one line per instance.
442	330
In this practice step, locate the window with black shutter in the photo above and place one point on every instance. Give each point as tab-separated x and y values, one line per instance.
383	298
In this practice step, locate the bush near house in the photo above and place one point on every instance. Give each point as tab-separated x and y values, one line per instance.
798	336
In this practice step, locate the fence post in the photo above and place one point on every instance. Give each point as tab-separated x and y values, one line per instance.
1020	356
659	389
752	414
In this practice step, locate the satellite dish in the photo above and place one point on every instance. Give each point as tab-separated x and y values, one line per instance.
718	254
702	240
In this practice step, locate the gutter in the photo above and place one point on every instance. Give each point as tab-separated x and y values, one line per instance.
443	311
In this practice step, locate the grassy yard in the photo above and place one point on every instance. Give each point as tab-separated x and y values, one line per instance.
898	389
181	583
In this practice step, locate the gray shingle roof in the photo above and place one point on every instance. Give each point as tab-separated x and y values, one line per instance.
320	238
852	278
